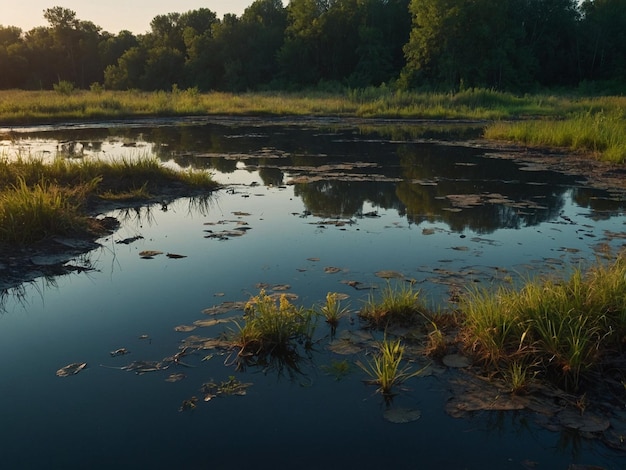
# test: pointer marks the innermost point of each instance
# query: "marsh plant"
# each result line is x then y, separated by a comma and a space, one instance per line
399, 303
273, 326
40, 200
332, 310
385, 367
564, 328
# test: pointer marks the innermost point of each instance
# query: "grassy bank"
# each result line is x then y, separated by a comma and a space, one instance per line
39, 200
22, 107
588, 124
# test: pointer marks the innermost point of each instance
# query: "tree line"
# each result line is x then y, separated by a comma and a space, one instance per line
515, 45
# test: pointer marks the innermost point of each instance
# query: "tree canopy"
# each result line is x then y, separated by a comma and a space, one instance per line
515, 45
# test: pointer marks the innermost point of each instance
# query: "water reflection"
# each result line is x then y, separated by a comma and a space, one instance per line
339, 168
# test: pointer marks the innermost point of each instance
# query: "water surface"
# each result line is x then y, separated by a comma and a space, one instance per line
315, 195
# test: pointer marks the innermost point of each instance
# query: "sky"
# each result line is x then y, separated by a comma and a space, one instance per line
112, 15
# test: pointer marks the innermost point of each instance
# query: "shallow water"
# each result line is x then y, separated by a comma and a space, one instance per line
444, 215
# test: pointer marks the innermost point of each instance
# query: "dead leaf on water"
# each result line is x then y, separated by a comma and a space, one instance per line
389, 274
119, 352
585, 422
71, 369
331, 270
149, 254
456, 361
175, 377
214, 321
232, 386
402, 415
184, 328
224, 307
313, 259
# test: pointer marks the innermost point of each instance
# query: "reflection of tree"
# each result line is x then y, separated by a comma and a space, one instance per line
414, 178
431, 173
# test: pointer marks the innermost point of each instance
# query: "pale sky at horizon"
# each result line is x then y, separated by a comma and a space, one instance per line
112, 15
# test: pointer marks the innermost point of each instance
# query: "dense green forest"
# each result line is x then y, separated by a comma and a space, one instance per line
514, 45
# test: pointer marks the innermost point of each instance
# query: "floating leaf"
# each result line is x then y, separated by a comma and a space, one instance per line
175, 377
456, 361
585, 422
142, 367
224, 307
149, 254
71, 369
389, 274
313, 259
213, 321
230, 387
188, 404
402, 415
184, 328
331, 270
119, 352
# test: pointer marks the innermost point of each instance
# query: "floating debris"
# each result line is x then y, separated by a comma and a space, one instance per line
184, 328
149, 254
141, 367
71, 369
389, 274
225, 307
456, 361
144, 337
129, 240
313, 259
175, 256
175, 377
188, 404
331, 270
214, 321
402, 415
230, 387
119, 352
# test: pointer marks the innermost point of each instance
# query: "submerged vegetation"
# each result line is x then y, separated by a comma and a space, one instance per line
41, 200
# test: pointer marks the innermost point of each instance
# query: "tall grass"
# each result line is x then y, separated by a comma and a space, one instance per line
602, 133
561, 329
18, 106
40, 200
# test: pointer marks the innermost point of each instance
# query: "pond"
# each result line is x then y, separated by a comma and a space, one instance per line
308, 207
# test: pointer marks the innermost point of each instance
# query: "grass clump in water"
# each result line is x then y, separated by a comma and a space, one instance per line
400, 304
273, 327
385, 367
332, 310
561, 331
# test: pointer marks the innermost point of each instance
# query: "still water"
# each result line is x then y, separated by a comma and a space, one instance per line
310, 195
